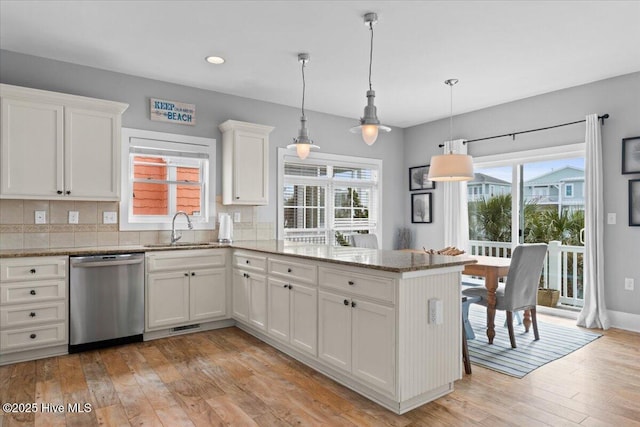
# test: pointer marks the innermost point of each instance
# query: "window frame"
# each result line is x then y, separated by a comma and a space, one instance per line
285, 155
197, 146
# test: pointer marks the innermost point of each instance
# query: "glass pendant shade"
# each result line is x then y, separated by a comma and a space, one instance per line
369, 133
451, 167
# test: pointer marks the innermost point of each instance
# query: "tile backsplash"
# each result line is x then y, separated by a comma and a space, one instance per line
18, 229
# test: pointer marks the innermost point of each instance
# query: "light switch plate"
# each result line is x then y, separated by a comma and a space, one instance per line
41, 217
628, 283
611, 218
74, 216
110, 217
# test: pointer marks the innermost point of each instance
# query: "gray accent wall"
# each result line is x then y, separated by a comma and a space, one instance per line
619, 96
330, 132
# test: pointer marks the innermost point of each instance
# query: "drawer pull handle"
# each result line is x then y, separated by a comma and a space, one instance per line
32, 271
353, 303
59, 191
68, 192
32, 291
32, 336
285, 286
346, 302
32, 314
351, 282
289, 270
186, 274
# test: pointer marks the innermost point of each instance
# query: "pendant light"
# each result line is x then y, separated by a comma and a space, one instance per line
303, 144
369, 123
451, 167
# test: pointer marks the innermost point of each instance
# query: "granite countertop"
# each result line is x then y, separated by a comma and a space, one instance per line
386, 260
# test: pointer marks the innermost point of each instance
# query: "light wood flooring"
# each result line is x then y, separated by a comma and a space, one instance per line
227, 377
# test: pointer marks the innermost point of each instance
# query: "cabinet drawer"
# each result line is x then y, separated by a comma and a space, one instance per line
28, 314
365, 285
28, 292
293, 270
186, 260
33, 268
246, 260
37, 336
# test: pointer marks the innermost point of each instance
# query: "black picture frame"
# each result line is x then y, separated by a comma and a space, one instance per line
421, 208
634, 202
418, 179
631, 155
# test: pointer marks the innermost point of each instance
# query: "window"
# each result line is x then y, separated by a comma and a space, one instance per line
568, 190
164, 174
326, 198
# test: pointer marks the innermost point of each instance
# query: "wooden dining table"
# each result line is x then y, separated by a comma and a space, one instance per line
491, 268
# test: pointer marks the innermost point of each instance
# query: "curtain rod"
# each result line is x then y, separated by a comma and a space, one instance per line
513, 134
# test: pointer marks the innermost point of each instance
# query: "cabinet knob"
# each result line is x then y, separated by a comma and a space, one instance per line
290, 287
59, 191
246, 275
186, 274
32, 314
32, 291
289, 270
193, 274
32, 271
32, 336
285, 286
237, 197
353, 303
68, 191
247, 261
351, 282
346, 302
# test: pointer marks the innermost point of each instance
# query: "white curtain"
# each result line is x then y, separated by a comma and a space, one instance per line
594, 312
456, 212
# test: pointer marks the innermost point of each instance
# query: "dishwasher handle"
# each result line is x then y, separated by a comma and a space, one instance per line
106, 260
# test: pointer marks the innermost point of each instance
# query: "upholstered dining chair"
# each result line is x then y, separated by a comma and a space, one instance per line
520, 291
365, 241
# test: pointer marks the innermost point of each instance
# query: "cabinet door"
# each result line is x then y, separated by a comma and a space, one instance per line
373, 338
250, 172
240, 296
279, 309
257, 301
92, 154
334, 330
32, 149
304, 323
207, 293
167, 299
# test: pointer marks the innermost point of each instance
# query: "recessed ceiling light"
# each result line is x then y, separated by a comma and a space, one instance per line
217, 60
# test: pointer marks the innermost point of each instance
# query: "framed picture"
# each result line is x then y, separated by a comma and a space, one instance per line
631, 155
418, 179
634, 202
421, 208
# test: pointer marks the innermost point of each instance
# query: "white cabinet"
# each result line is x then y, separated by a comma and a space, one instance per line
182, 289
33, 308
250, 298
59, 146
292, 314
245, 163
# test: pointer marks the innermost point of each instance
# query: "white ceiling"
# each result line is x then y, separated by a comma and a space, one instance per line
500, 50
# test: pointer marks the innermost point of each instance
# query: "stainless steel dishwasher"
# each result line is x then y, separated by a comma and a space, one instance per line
106, 300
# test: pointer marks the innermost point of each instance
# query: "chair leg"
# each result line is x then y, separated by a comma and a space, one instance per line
465, 354
534, 321
512, 336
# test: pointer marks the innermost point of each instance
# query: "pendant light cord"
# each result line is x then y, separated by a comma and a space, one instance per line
370, 53
451, 118
304, 85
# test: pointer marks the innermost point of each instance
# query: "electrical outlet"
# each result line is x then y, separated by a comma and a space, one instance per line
74, 216
628, 284
611, 218
41, 217
109, 217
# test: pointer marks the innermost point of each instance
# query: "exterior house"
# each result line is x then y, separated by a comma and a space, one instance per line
563, 188
485, 186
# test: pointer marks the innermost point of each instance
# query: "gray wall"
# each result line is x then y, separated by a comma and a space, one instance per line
620, 97
212, 108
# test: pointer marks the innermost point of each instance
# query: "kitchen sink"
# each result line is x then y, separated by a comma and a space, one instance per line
178, 244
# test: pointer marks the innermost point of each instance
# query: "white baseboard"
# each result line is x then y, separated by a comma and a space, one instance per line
626, 321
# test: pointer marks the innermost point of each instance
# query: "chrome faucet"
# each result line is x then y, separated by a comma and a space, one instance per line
174, 235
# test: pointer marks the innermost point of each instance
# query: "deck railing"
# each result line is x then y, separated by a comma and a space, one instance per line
563, 268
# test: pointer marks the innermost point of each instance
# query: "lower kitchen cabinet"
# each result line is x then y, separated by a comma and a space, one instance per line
358, 337
292, 314
250, 298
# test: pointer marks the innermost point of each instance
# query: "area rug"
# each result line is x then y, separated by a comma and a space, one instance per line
556, 341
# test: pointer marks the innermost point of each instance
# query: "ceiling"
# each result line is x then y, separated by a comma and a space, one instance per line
499, 50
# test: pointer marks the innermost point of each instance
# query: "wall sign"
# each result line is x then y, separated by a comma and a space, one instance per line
173, 112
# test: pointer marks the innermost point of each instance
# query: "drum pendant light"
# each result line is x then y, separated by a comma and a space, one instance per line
303, 144
369, 123
451, 167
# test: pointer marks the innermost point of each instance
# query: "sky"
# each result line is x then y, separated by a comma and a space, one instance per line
534, 169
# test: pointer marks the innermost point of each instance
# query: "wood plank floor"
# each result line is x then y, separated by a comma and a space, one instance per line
226, 377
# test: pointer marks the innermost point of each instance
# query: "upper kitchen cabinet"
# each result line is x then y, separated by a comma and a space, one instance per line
59, 146
245, 163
